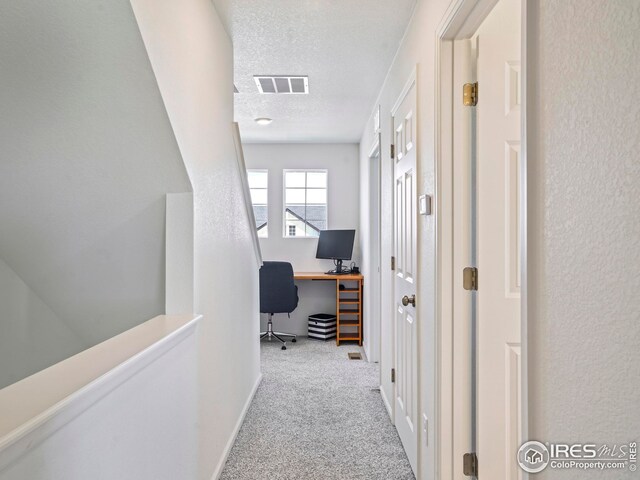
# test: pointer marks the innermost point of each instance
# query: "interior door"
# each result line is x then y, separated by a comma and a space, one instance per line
405, 243
373, 325
498, 243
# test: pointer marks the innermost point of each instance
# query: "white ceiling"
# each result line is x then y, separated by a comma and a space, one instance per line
344, 46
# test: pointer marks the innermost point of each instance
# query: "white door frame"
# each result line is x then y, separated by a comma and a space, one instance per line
375, 275
460, 21
412, 82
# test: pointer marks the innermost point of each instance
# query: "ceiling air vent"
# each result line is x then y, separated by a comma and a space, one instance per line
282, 84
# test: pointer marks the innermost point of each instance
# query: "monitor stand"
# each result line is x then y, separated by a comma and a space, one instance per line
339, 270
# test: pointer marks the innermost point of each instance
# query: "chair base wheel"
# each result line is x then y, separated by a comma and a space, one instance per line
293, 340
283, 347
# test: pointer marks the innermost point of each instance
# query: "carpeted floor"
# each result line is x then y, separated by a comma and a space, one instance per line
317, 416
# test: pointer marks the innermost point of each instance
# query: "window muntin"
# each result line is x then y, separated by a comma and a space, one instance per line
305, 203
259, 187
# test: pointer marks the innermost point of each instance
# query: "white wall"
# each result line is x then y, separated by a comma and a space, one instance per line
341, 161
179, 254
416, 51
33, 337
583, 220
192, 58
584, 228
124, 409
87, 156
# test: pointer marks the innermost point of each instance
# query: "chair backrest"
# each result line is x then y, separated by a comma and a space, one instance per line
278, 292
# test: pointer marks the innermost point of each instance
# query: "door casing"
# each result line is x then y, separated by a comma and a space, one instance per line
453, 342
373, 340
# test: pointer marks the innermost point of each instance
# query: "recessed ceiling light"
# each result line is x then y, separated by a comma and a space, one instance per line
263, 121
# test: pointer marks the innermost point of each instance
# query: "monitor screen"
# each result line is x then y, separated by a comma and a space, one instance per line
335, 244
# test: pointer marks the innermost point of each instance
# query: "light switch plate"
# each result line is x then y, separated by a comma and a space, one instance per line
424, 204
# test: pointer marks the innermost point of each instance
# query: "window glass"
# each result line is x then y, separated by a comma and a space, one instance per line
305, 202
259, 187
295, 179
317, 179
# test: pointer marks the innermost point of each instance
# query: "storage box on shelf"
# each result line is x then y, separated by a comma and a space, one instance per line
348, 302
322, 326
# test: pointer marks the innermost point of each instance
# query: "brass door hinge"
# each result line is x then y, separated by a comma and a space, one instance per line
470, 278
393, 151
393, 375
393, 264
470, 464
470, 94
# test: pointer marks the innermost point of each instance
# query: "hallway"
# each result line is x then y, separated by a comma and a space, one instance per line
317, 415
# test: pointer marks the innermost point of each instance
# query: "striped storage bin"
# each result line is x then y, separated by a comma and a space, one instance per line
322, 326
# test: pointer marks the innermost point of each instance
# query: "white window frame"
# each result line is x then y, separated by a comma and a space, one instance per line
284, 198
266, 171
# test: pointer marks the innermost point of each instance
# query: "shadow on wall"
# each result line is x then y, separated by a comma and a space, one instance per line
72, 305
88, 155
126, 263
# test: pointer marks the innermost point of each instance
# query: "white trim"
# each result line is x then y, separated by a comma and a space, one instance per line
524, 284
266, 171
285, 234
387, 405
375, 148
236, 429
374, 350
242, 170
405, 90
461, 20
89, 376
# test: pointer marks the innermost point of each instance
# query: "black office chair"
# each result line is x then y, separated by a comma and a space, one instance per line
278, 294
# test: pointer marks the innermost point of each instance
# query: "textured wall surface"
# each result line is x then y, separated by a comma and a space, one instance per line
192, 58
584, 232
86, 157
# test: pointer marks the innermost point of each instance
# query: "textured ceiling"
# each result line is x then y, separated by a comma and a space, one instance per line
344, 46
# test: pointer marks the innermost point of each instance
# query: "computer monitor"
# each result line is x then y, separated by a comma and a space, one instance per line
336, 245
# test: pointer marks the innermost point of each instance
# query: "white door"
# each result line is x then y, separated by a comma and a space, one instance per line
405, 288
498, 243
372, 339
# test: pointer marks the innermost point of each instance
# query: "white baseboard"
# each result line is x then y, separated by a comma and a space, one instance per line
387, 405
227, 449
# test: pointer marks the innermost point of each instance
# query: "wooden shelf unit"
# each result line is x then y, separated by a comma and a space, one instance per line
348, 303
349, 310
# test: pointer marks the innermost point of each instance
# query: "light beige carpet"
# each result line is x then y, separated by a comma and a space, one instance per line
317, 415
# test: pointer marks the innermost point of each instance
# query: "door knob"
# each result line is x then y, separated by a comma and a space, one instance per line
409, 300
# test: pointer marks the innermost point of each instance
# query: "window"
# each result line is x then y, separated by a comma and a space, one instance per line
305, 202
258, 184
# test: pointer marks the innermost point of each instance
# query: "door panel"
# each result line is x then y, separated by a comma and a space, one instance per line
498, 242
406, 394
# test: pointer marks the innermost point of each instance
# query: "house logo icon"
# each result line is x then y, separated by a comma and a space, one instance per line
533, 457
